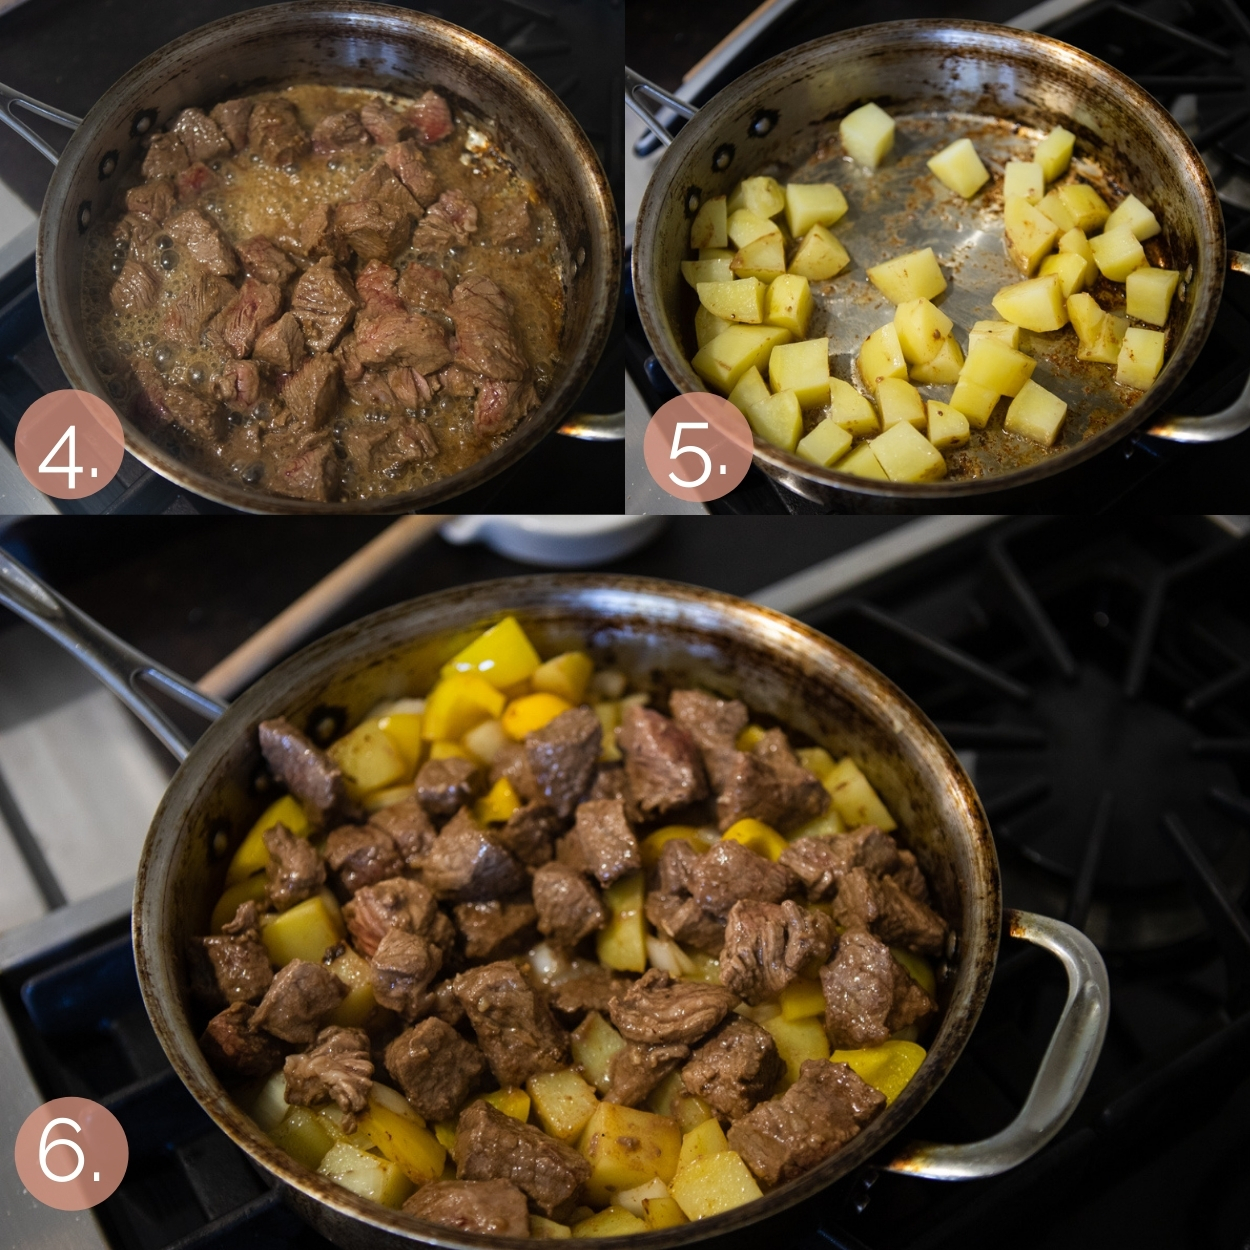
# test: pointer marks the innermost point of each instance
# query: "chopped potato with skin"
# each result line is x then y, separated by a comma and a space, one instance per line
900, 401
975, 402
662, 1212
1054, 153
867, 135
1030, 234
1085, 315
305, 931
863, 463
1141, 357
851, 410
734, 301
922, 328
750, 392
797, 1041
707, 1138
915, 275
715, 1183
1148, 294
1117, 252
948, 427
1053, 207
1068, 267
826, 444
1024, 179
778, 420
1075, 242
802, 368
907, 456
707, 326
698, 271
622, 942
888, 1067
1085, 206
626, 1147
745, 227
943, 369
708, 227
563, 1102
788, 303
1004, 331
1036, 414
1105, 349
402, 1137
881, 357
1134, 215
855, 799
960, 168
820, 256
760, 195
997, 368
1036, 304
366, 1175
728, 356
764, 259
812, 204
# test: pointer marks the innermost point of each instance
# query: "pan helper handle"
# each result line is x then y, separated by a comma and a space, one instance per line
1061, 1080
9, 98
641, 94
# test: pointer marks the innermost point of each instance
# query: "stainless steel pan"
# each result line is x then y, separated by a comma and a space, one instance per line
354, 44
646, 628
941, 80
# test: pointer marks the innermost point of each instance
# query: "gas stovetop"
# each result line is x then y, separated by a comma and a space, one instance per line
1096, 686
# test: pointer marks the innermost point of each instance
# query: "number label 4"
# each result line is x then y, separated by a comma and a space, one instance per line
71, 470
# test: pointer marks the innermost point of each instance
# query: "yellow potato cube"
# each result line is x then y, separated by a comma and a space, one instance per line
1141, 357
542, 1228
745, 227
855, 799
1052, 207
881, 357
1132, 213
563, 1102
708, 227
734, 301
764, 259
633, 1199
948, 427
707, 1138
862, 463
404, 1140
756, 836
714, 1183
1117, 253
1068, 267
821, 827
356, 973
960, 168
888, 1067
975, 402
922, 328
997, 368
612, 1222
368, 759
819, 256
458, 703
1029, 233
1106, 348
1075, 242
778, 420
801, 1000
252, 857
918, 968
483, 742
566, 675
366, 1175
1036, 414
1085, 206
530, 712
900, 401
662, 1212
1148, 294
915, 275
1024, 180
592, 1044
761, 195
707, 326
269, 1105
826, 444
1085, 315
1054, 152
811, 204
622, 942
511, 1101
943, 369
626, 1147
716, 270
716, 253
867, 134
907, 456
728, 356
798, 1040
802, 368
448, 751
250, 890
404, 731
789, 303
1036, 304
750, 392
1003, 331
305, 931
671, 1098
851, 410
494, 807
304, 1136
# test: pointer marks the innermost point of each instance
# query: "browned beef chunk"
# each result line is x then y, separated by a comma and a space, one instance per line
658, 1009
140, 232
200, 135
281, 344
909, 878
194, 181
319, 237
818, 1114
372, 229
569, 907
204, 297
445, 786
265, 262
424, 289
338, 131
411, 389
231, 116
233, 1048
312, 393
606, 842
512, 762
528, 833
466, 866
205, 242
591, 991
136, 288
306, 771
494, 1208
514, 1026
174, 405
375, 285
256, 306
362, 855
609, 783
636, 1069
562, 757
295, 871
729, 872
671, 874
821, 862
325, 301
398, 903
714, 724
296, 1005
309, 471
494, 1146
569, 852
409, 442
458, 382
511, 224
238, 385
403, 967
232, 968
447, 223
682, 919
767, 944
486, 342
770, 784
435, 1067
336, 1067
661, 762
152, 199
401, 338
408, 164
409, 828
430, 119
879, 905
735, 1068
500, 405
379, 182
274, 131
382, 122
495, 929
166, 156
868, 993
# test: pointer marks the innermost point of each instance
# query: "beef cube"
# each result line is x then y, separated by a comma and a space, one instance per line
273, 130
202, 239
174, 405
458, 382
466, 866
909, 878
821, 862
494, 1208
325, 301
771, 785
818, 1114
200, 135
496, 929
397, 903
511, 761
383, 123
409, 442
735, 1068
486, 341
868, 993
337, 132
435, 1067
445, 786
408, 164
136, 288
768, 944
256, 306
514, 1026
295, 871
494, 1146
447, 223
609, 783
401, 338
661, 762
338, 1068
404, 964
232, 968
430, 119
729, 872
166, 156
606, 842
194, 181
424, 289
319, 236
592, 990
636, 1069
683, 920
656, 1009
233, 1048
671, 874
238, 386
231, 117
306, 771
310, 472
569, 907
362, 855
500, 405
296, 1005
714, 724
375, 285
562, 758
410, 388
139, 231
409, 828
898, 919
152, 199
373, 230
379, 182
265, 261
312, 394
511, 224
281, 344
204, 297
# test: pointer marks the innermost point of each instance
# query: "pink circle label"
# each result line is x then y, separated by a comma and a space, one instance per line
69, 444
71, 1153
698, 447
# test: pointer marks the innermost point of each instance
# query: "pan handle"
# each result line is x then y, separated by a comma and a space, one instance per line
638, 90
1061, 1080
9, 97
1233, 420
117, 664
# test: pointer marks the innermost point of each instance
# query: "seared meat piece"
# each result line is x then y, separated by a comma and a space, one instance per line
200, 135
635, 1070
879, 905
514, 1027
406, 160
735, 1068
310, 472
512, 762
424, 289
409, 827
139, 231
375, 285
605, 841
821, 862
256, 306
295, 871
312, 393
466, 866
382, 122
593, 991
362, 855
281, 344
403, 967
233, 1048
500, 405
152, 199
714, 724
661, 762
494, 1146
447, 223
569, 907
231, 116
658, 1009
191, 311
609, 783
771, 785
818, 1114
373, 230
729, 872
206, 244
511, 224
909, 878
296, 1005
445, 786
136, 288
274, 131
868, 993
682, 919
409, 442
174, 405
166, 156
264, 261
495, 1208
319, 236
486, 342
435, 1067
767, 944
379, 182
337, 131
337, 1067
430, 118
400, 338
411, 389
399, 903
672, 870
232, 968
306, 771
238, 386
495, 929
194, 180
562, 757
325, 301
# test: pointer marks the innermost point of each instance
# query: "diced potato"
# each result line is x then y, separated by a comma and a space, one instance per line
948, 427
881, 357
1036, 304
745, 227
862, 463
1051, 206
654, 843
1136, 216
960, 168
728, 356
671, 1098
304, 1136
802, 368
542, 1228
1141, 357
622, 942
593, 1043
888, 1067
750, 392
820, 255
867, 134
907, 456
1117, 253
626, 1147
943, 369
404, 1140
366, 1175
1029, 233
612, 1222
915, 275
697, 271
305, 931
1148, 294
975, 402
1085, 206
1075, 243
563, 1102
1036, 414
511, 1101
368, 759
566, 675
788, 303
380, 799
763, 258
736, 301
483, 742
997, 368
707, 326
797, 1041
457, 704
812, 204
761, 195
1106, 348
778, 419
1054, 152
252, 889
855, 799
714, 1183
531, 712
826, 444
1068, 267
922, 328
822, 826
900, 401
1085, 315
1024, 180
707, 1138
708, 227
801, 1000
749, 736
448, 751
1004, 331
445, 1132
662, 1212
269, 1105
356, 973
918, 968
251, 857
404, 731
756, 836
716, 253
851, 410
503, 655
